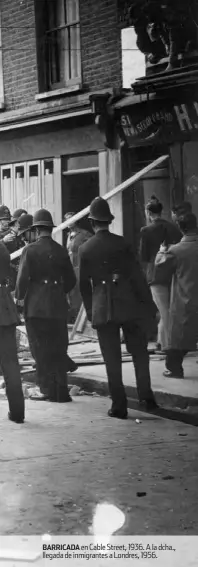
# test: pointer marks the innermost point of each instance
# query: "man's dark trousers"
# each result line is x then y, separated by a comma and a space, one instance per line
11, 372
174, 360
136, 344
48, 339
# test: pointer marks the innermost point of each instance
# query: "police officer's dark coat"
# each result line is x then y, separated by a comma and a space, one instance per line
112, 283
8, 312
45, 276
151, 237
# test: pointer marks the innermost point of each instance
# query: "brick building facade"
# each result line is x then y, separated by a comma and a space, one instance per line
53, 55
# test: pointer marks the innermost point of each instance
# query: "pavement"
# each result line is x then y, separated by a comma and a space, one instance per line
176, 393
68, 458
91, 374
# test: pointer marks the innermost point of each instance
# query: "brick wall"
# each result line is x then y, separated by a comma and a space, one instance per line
19, 52
100, 44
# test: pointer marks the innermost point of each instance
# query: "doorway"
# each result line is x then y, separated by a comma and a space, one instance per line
80, 184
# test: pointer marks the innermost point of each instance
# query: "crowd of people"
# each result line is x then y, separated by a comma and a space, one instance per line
98, 268
169, 253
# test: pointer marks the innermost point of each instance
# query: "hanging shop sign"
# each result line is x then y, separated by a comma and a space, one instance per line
161, 122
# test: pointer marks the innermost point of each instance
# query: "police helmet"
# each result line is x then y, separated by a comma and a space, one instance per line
17, 214
25, 223
100, 211
42, 218
4, 213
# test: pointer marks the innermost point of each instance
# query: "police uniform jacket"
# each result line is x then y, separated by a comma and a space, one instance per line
44, 278
151, 237
8, 312
112, 283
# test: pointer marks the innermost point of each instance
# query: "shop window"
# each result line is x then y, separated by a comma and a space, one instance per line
48, 167
19, 186
7, 195
33, 170
33, 185
80, 162
19, 172
58, 31
6, 173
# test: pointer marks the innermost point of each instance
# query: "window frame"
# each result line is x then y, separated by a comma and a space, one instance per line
67, 81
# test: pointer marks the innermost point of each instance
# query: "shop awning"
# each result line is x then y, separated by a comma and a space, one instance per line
144, 121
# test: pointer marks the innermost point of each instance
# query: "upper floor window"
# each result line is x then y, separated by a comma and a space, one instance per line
60, 58
133, 60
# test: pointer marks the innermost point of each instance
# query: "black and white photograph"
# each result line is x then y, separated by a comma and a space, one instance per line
98, 282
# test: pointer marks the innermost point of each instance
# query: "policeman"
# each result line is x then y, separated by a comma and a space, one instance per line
26, 234
45, 276
8, 348
15, 217
116, 295
9, 237
5, 218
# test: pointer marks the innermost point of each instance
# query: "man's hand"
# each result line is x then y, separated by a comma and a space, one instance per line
9, 238
163, 248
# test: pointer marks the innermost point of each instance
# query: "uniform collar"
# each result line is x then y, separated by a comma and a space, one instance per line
190, 238
44, 236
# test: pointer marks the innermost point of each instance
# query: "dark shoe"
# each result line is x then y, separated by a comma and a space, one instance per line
112, 413
68, 399
15, 419
71, 365
171, 374
149, 405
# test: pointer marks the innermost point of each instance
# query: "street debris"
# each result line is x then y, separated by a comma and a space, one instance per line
138, 421
75, 391
140, 494
21, 337
168, 477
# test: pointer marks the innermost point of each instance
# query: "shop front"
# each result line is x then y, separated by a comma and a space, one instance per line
57, 166
150, 127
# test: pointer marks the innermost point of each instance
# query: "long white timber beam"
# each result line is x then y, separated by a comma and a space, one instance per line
107, 196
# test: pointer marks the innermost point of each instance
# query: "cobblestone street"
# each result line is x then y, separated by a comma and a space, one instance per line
66, 459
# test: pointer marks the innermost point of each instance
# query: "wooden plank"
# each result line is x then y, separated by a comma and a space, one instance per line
130, 181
